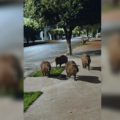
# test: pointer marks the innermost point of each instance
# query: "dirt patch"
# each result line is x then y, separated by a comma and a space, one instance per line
92, 45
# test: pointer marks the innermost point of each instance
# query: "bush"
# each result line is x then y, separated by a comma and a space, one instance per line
39, 38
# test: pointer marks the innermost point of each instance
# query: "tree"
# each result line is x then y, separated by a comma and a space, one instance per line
55, 32
78, 28
65, 13
94, 28
31, 29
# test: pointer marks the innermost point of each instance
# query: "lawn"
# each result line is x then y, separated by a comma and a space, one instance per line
54, 72
30, 97
83, 44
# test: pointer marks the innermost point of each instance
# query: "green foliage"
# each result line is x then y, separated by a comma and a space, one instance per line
78, 28
65, 13
57, 31
31, 29
39, 38
75, 32
95, 27
54, 72
30, 97
31, 23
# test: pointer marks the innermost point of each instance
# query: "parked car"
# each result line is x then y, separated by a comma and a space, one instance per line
98, 35
63, 37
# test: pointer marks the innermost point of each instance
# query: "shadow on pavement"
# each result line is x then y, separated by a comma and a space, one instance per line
60, 77
96, 68
90, 79
35, 43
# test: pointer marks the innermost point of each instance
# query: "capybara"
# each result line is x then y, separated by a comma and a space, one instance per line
113, 47
86, 61
10, 72
45, 67
61, 60
71, 69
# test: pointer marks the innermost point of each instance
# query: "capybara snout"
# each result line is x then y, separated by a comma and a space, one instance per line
45, 68
61, 60
86, 60
71, 69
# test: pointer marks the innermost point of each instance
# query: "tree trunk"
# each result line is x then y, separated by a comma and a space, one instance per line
83, 40
68, 38
69, 50
79, 32
27, 40
87, 35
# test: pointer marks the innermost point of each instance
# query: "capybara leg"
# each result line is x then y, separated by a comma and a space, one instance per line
45, 74
83, 65
42, 73
49, 74
69, 75
88, 67
74, 77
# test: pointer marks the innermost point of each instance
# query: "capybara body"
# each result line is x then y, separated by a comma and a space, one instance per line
86, 60
71, 69
10, 72
61, 60
45, 68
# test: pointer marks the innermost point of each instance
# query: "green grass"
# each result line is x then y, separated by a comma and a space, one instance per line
30, 97
54, 72
83, 44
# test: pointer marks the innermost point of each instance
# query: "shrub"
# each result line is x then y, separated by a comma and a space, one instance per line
39, 38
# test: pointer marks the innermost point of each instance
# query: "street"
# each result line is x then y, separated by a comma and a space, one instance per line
34, 55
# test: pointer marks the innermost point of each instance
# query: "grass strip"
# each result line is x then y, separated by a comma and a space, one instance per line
29, 98
54, 72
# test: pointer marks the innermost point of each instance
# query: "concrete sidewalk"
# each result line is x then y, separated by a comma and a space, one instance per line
66, 99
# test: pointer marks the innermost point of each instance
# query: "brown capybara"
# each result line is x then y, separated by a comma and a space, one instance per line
45, 67
61, 60
86, 61
71, 69
10, 72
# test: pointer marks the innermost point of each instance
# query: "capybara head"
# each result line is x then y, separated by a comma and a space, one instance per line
75, 67
71, 67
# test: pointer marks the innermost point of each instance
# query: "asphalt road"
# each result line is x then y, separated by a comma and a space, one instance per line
34, 55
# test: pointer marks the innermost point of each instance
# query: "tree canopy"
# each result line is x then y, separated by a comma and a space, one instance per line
65, 13
31, 29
